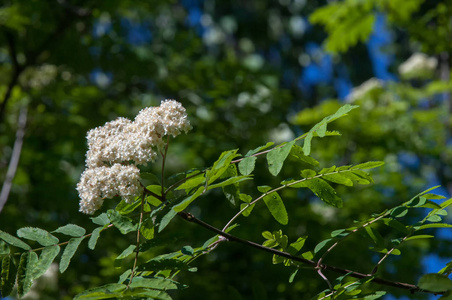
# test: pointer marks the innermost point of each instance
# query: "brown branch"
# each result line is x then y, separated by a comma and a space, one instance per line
400, 285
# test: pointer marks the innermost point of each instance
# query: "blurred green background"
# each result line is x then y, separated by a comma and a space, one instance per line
247, 72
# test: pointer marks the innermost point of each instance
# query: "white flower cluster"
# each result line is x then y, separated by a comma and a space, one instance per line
123, 141
368, 87
99, 183
419, 65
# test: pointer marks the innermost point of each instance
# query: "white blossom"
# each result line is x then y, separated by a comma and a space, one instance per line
97, 184
369, 86
114, 146
419, 65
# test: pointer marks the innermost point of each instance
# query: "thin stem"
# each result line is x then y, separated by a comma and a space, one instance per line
163, 164
401, 285
268, 150
353, 231
275, 190
137, 249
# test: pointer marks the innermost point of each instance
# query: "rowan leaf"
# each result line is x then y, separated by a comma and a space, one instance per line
37, 234
276, 207
69, 252
71, 230
13, 241
277, 156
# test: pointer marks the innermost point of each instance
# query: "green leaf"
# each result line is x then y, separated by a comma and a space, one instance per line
8, 276
246, 166
37, 234
324, 191
434, 282
231, 190
187, 250
164, 221
94, 237
395, 224
71, 230
101, 219
264, 188
124, 276
267, 235
338, 178
292, 276
355, 178
434, 196
163, 262
129, 250
24, 272
416, 237
320, 128
221, 165
297, 153
125, 208
434, 219
308, 173
186, 202
376, 295
69, 252
124, 224
276, 207
108, 291
192, 182
4, 248
368, 165
157, 283
229, 181
247, 211
150, 178
384, 250
297, 245
321, 245
434, 225
12, 240
48, 255
399, 212
277, 156
374, 235
147, 229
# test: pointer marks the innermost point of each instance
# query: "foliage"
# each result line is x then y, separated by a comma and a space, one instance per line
239, 69
154, 277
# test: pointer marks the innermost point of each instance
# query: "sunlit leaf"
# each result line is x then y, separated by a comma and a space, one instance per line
276, 207
277, 156
71, 230
94, 237
12, 240
37, 234
69, 252
47, 256
435, 282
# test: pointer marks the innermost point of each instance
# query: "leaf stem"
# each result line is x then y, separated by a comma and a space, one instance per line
137, 249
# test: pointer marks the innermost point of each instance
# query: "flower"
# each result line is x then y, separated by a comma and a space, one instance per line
99, 183
419, 65
114, 146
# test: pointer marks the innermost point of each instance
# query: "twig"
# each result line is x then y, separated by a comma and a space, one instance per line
14, 162
353, 231
401, 285
137, 249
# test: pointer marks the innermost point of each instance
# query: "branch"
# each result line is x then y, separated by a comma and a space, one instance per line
401, 285
14, 162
